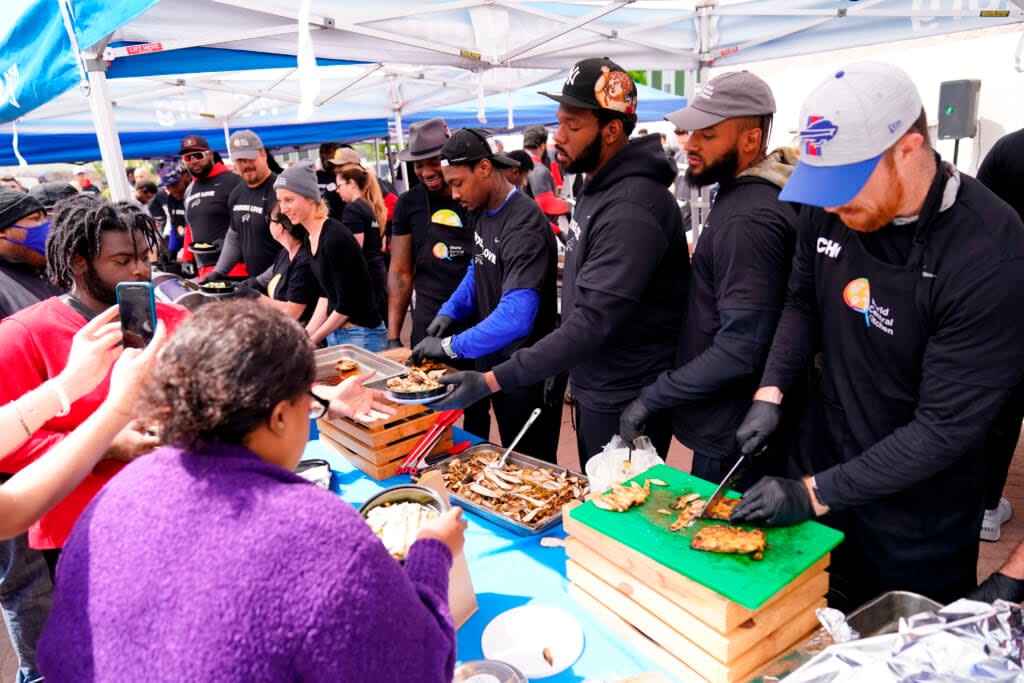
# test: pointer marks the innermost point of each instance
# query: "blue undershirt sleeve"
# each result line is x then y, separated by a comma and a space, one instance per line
462, 303
511, 319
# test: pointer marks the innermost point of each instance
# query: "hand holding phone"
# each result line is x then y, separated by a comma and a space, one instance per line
137, 307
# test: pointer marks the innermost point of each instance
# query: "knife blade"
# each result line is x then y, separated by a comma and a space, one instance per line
726, 484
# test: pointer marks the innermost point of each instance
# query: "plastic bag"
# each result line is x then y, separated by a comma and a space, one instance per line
614, 463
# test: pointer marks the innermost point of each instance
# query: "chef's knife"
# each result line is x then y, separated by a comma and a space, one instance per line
726, 484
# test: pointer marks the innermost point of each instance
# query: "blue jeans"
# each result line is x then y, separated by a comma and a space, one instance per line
26, 594
370, 338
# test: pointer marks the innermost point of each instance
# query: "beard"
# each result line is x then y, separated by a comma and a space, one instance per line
874, 218
588, 159
722, 169
97, 288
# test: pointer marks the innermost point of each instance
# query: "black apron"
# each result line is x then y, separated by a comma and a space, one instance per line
445, 250
875, 321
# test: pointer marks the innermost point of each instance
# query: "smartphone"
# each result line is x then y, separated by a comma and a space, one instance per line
138, 313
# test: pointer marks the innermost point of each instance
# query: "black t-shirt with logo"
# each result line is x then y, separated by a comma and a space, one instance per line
327, 183
249, 209
359, 219
515, 249
341, 271
293, 280
442, 236
206, 206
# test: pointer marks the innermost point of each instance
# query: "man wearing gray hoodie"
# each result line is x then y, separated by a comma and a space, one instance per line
738, 277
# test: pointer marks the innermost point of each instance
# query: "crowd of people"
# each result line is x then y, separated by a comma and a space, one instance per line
846, 322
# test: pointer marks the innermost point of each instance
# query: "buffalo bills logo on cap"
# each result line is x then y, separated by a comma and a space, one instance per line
819, 130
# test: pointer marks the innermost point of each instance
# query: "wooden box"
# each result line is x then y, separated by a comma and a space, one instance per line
689, 629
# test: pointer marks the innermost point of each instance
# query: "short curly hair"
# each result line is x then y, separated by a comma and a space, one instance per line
223, 371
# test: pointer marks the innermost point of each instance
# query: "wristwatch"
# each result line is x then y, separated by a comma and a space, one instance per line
446, 346
817, 493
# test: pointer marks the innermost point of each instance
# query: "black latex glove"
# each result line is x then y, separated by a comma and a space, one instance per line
244, 291
633, 420
188, 269
998, 587
394, 344
470, 387
776, 502
758, 426
440, 325
429, 347
254, 283
214, 276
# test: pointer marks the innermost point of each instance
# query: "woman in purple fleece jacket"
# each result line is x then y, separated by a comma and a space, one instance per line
209, 560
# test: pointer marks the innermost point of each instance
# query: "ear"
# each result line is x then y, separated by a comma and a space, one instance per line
78, 264
485, 167
277, 421
907, 146
613, 131
750, 140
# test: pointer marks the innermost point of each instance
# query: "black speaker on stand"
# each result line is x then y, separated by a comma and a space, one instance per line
958, 111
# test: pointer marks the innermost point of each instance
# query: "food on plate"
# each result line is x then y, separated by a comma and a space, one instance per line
201, 245
330, 380
217, 285
427, 365
548, 657
722, 509
519, 492
728, 539
397, 525
415, 381
346, 366
621, 497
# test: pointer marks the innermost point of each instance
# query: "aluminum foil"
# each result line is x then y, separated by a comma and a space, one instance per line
965, 641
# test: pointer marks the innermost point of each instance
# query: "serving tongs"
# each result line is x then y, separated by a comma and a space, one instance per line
500, 462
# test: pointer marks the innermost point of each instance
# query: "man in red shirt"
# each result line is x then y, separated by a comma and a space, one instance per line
93, 246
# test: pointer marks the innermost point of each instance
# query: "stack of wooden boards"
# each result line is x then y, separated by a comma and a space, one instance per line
378, 448
704, 616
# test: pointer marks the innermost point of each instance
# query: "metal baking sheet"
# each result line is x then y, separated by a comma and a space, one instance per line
497, 518
327, 358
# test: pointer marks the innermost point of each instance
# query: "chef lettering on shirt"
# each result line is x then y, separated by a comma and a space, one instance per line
905, 277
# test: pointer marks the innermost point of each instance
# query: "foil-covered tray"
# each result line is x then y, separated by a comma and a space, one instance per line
513, 525
327, 358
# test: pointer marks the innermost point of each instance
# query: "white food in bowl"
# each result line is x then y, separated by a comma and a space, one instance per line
397, 525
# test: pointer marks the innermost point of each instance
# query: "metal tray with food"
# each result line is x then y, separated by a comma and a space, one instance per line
527, 493
337, 363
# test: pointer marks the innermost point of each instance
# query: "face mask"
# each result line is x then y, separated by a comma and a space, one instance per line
35, 237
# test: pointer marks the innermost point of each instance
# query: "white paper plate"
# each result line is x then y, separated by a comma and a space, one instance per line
417, 401
520, 635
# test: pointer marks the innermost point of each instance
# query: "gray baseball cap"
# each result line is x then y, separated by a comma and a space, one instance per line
728, 96
245, 144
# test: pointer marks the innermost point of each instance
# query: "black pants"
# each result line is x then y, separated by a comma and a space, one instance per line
595, 428
512, 409
1000, 443
713, 468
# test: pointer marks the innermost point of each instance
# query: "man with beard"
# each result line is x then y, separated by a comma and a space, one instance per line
510, 285
248, 239
907, 278
626, 267
206, 204
738, 277
91, 247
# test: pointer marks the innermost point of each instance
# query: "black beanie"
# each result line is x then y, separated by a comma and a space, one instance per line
15, 205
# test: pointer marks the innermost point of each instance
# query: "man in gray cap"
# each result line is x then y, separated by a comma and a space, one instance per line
535, 142
738, 276
248, 237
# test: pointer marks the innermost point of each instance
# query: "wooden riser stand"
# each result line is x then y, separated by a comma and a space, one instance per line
688, 628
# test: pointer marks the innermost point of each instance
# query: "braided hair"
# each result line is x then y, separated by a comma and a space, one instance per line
76, 230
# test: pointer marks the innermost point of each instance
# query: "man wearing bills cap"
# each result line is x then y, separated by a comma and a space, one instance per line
906, 277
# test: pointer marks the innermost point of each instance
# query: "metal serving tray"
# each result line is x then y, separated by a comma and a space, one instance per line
497, 518
327, 358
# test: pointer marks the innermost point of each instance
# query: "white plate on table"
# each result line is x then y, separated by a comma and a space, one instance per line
520, 635
417, 401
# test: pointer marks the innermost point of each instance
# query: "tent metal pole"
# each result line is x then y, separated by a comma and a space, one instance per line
227, 139
396, 103
106, 131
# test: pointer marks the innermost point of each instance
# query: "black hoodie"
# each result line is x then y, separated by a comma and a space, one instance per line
624, 287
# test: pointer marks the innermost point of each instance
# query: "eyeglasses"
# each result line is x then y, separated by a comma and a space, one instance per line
318, 407
193, 156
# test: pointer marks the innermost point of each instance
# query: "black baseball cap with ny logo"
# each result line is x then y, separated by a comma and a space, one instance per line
598, 83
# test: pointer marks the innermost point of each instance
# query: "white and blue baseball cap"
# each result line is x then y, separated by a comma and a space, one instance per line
845, 126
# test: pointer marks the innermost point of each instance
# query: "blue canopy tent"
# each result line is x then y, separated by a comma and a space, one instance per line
526, 107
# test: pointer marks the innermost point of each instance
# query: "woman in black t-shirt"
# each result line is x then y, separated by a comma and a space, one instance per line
293, 288
346, 312
365, 215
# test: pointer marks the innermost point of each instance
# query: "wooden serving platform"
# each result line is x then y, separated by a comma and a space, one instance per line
689, 629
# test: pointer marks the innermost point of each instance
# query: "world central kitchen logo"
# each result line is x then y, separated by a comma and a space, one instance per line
857, 296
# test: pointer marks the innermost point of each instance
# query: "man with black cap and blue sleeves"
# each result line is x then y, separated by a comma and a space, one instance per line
907, 276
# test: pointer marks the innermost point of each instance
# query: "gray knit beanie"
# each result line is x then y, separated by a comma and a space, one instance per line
15, 205
300, 179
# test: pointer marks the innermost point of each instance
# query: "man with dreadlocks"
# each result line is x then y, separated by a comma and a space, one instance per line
92, 246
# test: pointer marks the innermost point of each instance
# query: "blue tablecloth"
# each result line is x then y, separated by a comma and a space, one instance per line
508, 571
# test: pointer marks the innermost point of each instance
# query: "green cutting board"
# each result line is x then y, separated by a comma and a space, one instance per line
750, 583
